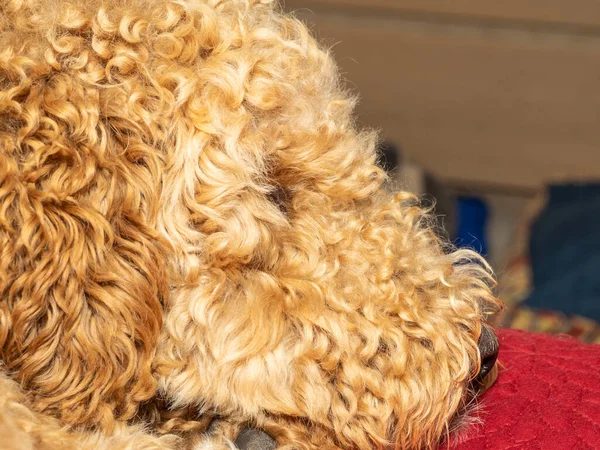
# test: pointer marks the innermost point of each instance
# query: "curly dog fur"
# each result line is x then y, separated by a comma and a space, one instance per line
189, 216
23, 429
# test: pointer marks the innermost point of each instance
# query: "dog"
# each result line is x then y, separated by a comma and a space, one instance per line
192, 227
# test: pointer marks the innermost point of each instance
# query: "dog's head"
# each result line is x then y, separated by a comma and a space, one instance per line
199, 160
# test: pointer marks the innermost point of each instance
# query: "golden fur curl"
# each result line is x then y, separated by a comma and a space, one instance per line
21, 428
81, 270
197, 162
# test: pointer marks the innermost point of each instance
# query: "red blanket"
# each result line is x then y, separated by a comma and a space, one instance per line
547, 397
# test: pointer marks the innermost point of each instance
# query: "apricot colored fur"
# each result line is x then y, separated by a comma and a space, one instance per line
187, 210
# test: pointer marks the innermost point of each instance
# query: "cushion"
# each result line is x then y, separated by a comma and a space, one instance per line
565, 251
547, 396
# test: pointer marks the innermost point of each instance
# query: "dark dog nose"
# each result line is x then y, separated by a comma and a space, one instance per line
488, 348
253, 439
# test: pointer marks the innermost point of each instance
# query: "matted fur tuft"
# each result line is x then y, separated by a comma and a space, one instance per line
196, 163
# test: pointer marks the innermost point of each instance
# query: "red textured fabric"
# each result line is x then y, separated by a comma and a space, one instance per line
547, 396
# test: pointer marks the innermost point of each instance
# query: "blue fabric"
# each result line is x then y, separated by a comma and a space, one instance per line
472, 218
565, 252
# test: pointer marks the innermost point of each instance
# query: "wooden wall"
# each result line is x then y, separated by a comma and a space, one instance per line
481, 92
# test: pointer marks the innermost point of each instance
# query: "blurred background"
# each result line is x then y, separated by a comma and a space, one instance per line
492, 109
